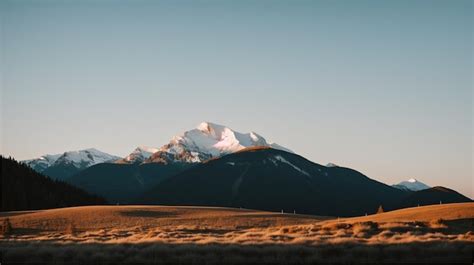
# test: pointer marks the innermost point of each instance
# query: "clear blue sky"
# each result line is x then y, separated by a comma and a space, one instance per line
384, 87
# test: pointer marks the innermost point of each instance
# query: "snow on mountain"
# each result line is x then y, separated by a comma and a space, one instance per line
41, 163
331, 165
139, 155
282, 159
79, 159
411, 184
85, 158
208, 140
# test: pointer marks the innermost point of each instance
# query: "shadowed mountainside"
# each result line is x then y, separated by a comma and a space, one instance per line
274, 180
122, 183
270, 179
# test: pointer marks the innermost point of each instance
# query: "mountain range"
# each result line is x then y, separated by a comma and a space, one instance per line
208, 140
215, 165
62, 166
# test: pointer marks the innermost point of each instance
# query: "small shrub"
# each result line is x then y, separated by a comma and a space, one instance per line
6, 227
380, 209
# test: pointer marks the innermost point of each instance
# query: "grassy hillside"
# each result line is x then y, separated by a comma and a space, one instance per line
206, 235
89, 218
450, 211
170, 224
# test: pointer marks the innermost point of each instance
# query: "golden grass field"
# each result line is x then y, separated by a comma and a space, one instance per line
441, 233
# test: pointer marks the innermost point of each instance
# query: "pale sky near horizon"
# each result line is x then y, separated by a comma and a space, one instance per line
384, 87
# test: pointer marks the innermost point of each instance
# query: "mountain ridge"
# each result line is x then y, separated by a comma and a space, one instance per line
134, 177
208, 140
61, 166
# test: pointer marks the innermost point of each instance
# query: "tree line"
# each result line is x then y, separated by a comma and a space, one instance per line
25, 189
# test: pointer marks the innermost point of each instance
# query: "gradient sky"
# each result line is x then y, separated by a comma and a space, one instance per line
384, 87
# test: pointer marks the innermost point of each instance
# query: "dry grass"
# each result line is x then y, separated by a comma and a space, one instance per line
201, 232
347, 253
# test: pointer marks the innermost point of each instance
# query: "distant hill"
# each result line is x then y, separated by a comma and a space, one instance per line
445, 211
435, 195
270, 179
25, 189
411, 184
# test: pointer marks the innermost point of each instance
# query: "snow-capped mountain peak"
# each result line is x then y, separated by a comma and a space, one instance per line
411, 184
85, 158
79, 159
41, 163
208, 140
140, 154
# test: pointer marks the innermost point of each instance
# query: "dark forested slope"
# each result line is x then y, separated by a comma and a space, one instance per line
25, 189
